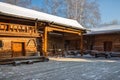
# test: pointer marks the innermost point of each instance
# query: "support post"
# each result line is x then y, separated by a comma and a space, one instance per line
44, 42
81, 44
63, 46
36, 25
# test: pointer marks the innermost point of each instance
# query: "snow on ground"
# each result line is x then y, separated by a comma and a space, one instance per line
64, 69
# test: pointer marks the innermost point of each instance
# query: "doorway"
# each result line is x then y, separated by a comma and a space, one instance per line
18, 49
107, 46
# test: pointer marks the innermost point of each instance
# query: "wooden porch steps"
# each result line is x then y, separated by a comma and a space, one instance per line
20, 60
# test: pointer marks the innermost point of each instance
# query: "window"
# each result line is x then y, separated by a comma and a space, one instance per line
1, 43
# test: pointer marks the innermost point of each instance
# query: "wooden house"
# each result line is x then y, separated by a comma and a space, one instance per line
106, 38
23, 32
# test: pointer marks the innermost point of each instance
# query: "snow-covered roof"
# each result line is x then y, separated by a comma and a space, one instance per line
105, 29
6, 8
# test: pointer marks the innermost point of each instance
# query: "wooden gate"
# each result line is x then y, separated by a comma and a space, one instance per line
18, 49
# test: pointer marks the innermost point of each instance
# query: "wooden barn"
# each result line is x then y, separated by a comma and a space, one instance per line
24, 32
106, 38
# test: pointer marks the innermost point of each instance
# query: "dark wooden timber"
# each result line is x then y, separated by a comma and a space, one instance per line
22, 59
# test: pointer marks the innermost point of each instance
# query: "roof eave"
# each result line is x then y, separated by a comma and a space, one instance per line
12, 15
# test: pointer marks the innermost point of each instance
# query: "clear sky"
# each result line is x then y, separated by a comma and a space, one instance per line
109, 9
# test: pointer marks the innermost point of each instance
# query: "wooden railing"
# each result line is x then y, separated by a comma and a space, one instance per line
17, 29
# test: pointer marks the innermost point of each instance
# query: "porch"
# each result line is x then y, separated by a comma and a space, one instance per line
57, 40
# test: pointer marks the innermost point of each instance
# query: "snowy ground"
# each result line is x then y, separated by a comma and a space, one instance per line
64, 69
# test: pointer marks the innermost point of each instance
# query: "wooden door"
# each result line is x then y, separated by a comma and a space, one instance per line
107, 46
18, 49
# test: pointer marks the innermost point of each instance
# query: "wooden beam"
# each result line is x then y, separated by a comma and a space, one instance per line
44, 42
67, 28
8, 29
16, 18
63, 30
81, 45
63, 46
36, 24
18, 34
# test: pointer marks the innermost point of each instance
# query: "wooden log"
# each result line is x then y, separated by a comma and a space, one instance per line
44, 42
81, 45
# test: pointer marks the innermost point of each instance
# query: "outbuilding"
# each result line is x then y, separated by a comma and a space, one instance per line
104, 38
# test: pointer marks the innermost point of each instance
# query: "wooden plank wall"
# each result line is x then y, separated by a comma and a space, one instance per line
114, 38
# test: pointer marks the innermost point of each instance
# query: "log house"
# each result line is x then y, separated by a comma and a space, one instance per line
23, 32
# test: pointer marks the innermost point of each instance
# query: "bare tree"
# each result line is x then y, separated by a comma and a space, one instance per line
37, 8
23, 3
54, 7
10, 1
51, 6
84, 11
113, 22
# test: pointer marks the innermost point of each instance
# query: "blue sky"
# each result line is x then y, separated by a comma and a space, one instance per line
38, 3
109, 9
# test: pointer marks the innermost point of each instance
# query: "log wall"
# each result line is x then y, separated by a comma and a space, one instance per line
17, 39
6, 48
100, 39
97, 42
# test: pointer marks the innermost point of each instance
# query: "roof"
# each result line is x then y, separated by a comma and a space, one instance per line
105, 29
10, 9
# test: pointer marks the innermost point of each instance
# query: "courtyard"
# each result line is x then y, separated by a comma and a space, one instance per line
64, 69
